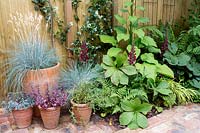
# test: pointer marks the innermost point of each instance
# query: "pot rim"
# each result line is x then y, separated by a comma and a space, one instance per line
49, 109
48, 68
79, 105
22, 109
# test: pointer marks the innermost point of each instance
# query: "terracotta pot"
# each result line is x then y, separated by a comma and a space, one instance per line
50, 117
42, 79
23, 117
82, 113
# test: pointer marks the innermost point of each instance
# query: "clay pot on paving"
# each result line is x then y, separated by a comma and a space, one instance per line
23, 118
42, 79
81, 112
50, 117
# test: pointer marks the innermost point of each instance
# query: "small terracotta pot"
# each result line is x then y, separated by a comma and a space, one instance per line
43, 79
50, 117
23, 117
82, 113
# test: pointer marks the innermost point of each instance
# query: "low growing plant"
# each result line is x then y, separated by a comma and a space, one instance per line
57, 97
17, 101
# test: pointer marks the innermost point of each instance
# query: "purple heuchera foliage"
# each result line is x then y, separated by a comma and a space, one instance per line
83, 57
56, 98
164, 46
132, 56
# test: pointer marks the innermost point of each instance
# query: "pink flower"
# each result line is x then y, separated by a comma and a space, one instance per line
83, 57
132, 56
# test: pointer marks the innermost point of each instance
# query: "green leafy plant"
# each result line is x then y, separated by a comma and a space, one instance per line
17, 101
134, 113
32, 53
118, 62
98, 21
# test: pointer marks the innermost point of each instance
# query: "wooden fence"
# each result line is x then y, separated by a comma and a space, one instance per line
165, 10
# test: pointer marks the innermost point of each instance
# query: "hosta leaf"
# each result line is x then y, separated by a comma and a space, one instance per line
120, 19
122, 36
119, 77
125, 118
165, 70
173, 48
163, 85
109, 72
164, 91
183, 59
142, 120
148, 41
108, 39
112, 52
108, 60
129, 70
139, 32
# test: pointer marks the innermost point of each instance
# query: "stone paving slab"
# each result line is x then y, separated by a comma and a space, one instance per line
180, 119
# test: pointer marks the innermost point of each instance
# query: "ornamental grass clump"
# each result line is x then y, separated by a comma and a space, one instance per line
31, 51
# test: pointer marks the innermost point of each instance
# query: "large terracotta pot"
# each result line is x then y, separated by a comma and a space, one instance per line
50, 117
43, 79
81, 112
23, 117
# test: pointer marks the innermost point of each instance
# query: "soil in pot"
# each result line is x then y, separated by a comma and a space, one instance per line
50, 117
23, 117
82, 113
42, 79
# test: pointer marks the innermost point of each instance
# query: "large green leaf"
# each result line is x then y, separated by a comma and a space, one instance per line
108, 60
144, 108
154, 50
120, 29
109, 72
183, 59
149, 57
127, 105
163, 85
120, 19
142, 120
171, 59
121, 58
122, 36
132, 19
139, 32
143, 20
148, 41
173, 48
147, 70
129, 70
119, 77
164, 91
133, 125
112, 52
128, 3
108, 39
125, 118
165, 70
